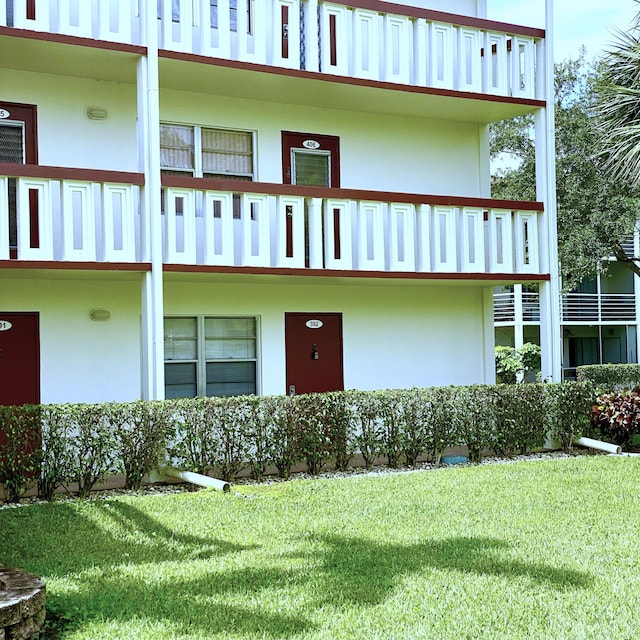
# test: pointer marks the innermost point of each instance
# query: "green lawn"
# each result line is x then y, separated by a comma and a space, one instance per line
545, 549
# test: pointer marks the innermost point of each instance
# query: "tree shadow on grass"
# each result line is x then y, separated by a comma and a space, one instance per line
365, 572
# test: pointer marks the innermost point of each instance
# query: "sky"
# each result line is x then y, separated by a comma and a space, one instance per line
591, 23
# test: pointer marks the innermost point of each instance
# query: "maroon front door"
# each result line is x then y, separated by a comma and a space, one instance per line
310, 159
19, 359
313, 352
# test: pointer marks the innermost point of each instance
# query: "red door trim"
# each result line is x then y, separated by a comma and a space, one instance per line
9, 315
295, 140
27, 113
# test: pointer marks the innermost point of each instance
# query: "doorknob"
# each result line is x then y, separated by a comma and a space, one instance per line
292, 389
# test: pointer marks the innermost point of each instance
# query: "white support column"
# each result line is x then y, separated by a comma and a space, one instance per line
152, 369
518, 317
545, 188
311, 49
314, 226
489, 338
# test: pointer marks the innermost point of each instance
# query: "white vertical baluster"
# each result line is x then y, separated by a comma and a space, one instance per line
366, 43
180, 218
421, 50
78, 222
290, 216
469, 60
500, 242
252, 47
314, 228
441, 56
473, 252
370, 255
215, 41
527, 246
402, 237
523, 81
256, 225
116, 19
118, 219
424, 238
292, 58
496, 64
44, 232
338, 15
218, 228
41, 22
177, 36
397, 49
338, 246
311, 49
74, 18
445, 243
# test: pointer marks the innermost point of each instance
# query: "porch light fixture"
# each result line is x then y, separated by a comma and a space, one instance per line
97, 113
99, 315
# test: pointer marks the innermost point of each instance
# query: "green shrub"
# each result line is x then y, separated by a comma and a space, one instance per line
610, 377
92, 445
313, 430
569, 411
228, 420
476, 416
513, 364
55, 464
19, 448
414, 414
192, 444
441, 408
142, 430
390, 410
340, 419
368, 428
282, 425
258, 437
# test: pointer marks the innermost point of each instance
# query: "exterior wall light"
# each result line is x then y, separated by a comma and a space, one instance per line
97, 113
99, 315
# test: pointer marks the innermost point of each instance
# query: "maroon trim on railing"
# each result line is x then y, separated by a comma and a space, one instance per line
333, 48
337, 273
69, 173
336, 235
60, 38
289, 231
358, 82
237, 186
31, 9
34, 219
442, 16
75, 266
284, 15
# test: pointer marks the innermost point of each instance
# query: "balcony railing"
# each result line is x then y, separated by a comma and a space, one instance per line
73, 215
70, 216
279, 226
504, 307
593, 307
409, 46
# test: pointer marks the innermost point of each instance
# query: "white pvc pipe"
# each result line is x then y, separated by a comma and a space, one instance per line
196, 478
598, 444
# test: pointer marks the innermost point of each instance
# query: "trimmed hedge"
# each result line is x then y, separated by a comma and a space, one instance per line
610, 377
57, 444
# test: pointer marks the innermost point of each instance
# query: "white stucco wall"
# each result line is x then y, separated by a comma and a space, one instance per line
66, 136
82, 360
380, 152
394, 335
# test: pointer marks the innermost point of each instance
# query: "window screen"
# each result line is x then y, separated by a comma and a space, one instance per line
12, 143
311, 169
227, 153
177, 148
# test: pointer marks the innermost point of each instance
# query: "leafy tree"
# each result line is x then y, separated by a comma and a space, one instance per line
513, 364
597, 211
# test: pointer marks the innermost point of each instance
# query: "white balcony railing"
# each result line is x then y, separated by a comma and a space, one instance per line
69, 220
295, 230
312, 35
593, 307
505, 307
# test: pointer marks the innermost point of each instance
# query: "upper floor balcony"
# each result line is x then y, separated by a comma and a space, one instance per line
59, 216
366, 42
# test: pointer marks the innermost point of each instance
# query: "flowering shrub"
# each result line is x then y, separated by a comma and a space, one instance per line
617, 415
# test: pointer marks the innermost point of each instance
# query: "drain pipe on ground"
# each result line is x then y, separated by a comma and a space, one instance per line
599, 445
194, 478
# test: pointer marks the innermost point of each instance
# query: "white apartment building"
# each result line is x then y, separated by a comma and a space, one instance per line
211, 197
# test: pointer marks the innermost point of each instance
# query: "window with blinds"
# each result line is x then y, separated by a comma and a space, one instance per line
312, 169
210, 356
206, 152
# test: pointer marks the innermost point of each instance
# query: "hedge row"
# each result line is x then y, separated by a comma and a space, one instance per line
610, 377
57, 444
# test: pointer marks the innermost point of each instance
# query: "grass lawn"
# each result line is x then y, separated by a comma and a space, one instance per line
545, 549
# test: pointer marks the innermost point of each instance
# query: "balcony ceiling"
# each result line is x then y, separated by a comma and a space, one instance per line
42, 56
263, 85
